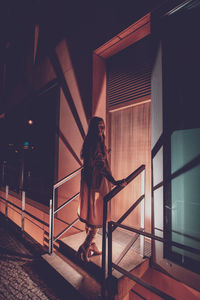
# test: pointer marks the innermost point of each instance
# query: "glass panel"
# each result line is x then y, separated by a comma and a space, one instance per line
185, 150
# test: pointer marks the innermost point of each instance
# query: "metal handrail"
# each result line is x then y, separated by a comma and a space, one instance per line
9, 202
64, 230
19, 209
106, 199
138, 280
138, 294
157, 238
143, 283
53, 211
67, 178
25, 211
128, 179
67, 202
127, 213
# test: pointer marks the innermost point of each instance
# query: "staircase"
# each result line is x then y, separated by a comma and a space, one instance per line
64, 259
126, 251
70, 244
122, 271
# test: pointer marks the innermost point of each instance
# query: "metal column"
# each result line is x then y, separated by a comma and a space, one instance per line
142, 224
51, 221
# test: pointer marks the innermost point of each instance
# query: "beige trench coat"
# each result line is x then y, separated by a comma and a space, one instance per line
94, 186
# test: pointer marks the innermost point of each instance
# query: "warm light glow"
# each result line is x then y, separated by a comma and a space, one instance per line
127, 37
30, 122
2, 116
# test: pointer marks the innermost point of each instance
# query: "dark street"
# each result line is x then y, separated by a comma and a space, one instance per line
23, 273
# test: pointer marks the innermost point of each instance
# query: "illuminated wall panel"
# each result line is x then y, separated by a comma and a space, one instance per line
130, 148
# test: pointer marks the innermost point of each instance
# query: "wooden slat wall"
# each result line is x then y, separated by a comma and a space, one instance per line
130, 147
129, 74
129, 107
129, 85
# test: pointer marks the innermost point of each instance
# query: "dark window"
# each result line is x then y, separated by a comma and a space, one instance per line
182, 137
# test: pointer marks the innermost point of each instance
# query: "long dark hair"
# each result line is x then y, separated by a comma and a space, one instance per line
92, 138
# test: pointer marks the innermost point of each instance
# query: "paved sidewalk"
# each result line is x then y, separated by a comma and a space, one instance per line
23, 273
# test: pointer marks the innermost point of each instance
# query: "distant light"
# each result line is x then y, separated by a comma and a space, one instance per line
2, 116
16, 151
26, 144
30, 122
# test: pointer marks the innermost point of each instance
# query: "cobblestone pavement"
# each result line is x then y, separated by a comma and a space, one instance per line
23, 273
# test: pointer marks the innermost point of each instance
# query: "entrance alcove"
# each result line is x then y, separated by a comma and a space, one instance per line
122, 97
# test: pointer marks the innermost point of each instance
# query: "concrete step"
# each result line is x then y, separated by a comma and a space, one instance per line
79, 279
132, 262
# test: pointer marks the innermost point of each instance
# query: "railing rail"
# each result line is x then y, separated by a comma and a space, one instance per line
107, 198
128, 179
66, 229
53, 211
143, 283
67, 178
127, 213
157, 238
138, 295
19, 210
67, 202
136, 279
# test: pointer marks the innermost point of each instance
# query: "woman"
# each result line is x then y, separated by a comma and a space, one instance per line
96, 179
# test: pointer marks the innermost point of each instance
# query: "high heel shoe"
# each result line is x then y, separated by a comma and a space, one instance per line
93, 250
84, 249
83, 253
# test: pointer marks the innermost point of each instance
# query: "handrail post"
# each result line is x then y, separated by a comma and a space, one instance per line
52, 210
3, 173
51, 221
103, 290
6, 208
21, 187
23, 210
50, 226
142, 224
110, 229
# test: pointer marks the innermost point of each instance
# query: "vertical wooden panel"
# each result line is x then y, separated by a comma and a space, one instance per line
130, 148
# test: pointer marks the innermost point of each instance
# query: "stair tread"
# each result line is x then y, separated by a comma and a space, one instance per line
129, 262
87, 286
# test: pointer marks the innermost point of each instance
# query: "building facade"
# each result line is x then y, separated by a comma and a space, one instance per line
139, 71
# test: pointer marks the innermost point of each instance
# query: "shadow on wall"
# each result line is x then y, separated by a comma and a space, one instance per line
71, 130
